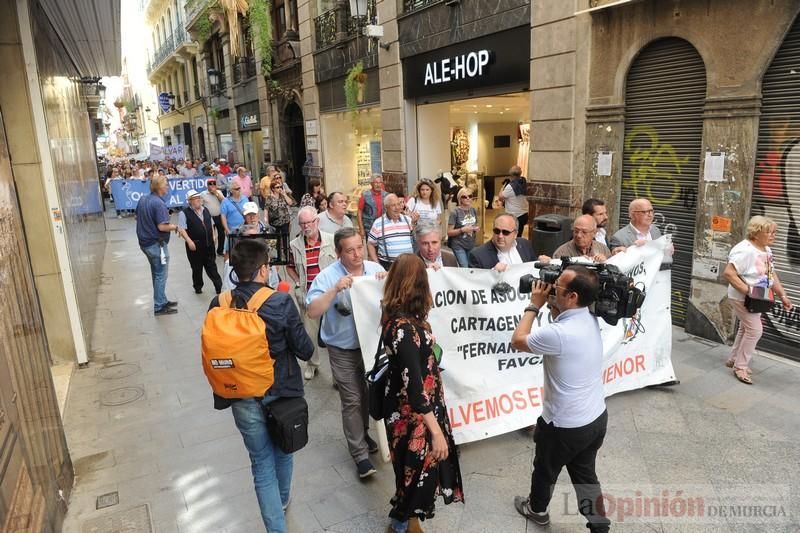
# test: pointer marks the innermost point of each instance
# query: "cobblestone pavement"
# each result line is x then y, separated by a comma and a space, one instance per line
140, 422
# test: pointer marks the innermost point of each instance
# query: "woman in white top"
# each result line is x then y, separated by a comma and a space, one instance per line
424, 202
751, 265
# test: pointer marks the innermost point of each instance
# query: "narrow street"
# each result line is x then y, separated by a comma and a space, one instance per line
140, 422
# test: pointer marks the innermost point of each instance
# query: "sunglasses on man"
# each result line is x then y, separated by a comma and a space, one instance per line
505, 232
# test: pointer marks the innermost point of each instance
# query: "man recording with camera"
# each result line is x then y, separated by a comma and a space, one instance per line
573, 423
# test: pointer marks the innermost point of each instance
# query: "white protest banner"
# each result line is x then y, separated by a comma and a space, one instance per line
490, 388
156, 153
176, 151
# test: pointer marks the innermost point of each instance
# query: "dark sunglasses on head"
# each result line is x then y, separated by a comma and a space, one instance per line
506, 232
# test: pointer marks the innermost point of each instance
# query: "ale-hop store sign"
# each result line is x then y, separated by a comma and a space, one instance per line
490, 60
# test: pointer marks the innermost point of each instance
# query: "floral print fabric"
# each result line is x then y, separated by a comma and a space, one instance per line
414, 388
278, 210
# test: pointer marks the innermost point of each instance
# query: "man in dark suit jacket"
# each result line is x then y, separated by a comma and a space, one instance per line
428, 237
505, 248
640, 230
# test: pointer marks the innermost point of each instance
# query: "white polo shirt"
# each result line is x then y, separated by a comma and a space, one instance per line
573, 364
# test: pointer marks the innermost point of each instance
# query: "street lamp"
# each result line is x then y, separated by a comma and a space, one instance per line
101, 91
213, 79
171, 99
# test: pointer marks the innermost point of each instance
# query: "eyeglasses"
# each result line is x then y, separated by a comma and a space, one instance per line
645, 211
506, 232
307, 223
555, 287
577, 231
466, 197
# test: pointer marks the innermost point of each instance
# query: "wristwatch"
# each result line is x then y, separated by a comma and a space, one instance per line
533, 309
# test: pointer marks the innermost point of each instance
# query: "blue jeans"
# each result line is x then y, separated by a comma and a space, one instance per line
272, 468
462, 256
158, 273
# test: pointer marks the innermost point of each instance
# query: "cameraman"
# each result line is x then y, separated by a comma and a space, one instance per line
573, 423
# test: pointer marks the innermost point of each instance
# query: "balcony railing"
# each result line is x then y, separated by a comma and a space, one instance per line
178, 37
244, 68
413, 5
192, 8
328, 25
325, 27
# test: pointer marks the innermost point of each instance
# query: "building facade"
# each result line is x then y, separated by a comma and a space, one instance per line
673, 86
551, 86
52, 239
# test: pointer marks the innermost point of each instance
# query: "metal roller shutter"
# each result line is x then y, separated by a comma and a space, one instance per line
664, 99
776, 187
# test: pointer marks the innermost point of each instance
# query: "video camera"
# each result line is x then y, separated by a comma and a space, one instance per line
278, 244
616, 298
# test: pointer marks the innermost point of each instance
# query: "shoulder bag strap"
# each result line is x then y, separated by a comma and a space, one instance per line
257, 300
236, 205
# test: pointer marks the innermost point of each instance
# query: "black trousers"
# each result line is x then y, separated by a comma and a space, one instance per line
220, 233
575, 448
204, 258
522, 221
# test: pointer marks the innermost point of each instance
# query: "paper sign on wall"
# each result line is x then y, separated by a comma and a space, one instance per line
705, 268
604, 163
721, 224
714, 166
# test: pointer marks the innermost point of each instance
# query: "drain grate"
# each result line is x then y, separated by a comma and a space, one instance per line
134, 520
121, 396
118, 371
107, 500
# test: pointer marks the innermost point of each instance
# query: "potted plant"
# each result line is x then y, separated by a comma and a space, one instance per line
354, 86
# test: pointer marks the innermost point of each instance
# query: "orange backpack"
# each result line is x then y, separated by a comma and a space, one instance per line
236, 357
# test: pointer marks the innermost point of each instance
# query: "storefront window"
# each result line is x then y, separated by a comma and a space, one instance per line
352, 150
225, 143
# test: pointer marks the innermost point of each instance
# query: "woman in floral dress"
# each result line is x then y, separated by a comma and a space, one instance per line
424, 455
277, 205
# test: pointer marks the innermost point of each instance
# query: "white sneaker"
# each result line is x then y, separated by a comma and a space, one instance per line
309, 372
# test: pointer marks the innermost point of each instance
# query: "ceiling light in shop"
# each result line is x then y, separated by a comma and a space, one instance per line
508, 109
501, 112
488, 106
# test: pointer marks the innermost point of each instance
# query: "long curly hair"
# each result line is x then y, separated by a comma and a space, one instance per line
406, 292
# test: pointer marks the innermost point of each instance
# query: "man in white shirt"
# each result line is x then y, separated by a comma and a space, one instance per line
515, 199
597, 208
573, 423
335, 217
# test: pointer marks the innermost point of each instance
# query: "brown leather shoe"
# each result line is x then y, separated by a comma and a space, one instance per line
414, 525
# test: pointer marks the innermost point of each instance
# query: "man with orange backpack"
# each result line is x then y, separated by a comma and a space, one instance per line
251, 339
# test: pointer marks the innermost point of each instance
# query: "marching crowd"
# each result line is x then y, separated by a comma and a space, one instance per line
398, 239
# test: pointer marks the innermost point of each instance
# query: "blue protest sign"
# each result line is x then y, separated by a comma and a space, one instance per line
163, 101
126, 193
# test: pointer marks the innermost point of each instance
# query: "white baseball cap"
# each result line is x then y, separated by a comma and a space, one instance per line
191, 194
250, 208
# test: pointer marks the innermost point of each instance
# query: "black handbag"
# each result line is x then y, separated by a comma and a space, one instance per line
287, 423
376, 382
759, 300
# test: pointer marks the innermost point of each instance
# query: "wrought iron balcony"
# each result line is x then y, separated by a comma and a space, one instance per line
325, 28
192, 8
413, 5
178, 37
328, 25
219, 88
244, 68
